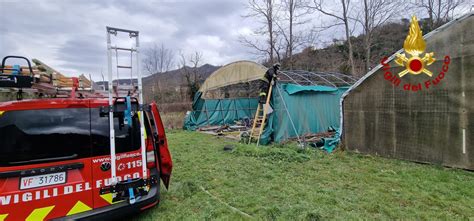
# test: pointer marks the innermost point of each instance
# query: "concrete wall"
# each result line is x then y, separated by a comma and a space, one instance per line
434, 125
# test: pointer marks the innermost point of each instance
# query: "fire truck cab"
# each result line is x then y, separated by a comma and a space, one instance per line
55, 158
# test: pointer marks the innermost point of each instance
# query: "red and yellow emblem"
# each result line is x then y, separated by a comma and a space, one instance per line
415, 46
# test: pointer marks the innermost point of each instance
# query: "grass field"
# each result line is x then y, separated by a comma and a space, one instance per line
286, 183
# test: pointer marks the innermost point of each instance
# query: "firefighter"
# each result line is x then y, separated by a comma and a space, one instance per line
270, 75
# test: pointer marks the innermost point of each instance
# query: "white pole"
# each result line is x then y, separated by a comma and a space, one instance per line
111, 112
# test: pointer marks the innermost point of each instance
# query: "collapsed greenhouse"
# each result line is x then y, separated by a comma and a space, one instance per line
303, 102
421, 118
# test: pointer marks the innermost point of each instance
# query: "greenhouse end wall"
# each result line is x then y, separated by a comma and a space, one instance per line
432, 125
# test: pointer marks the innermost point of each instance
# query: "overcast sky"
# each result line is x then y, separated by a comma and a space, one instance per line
70, 35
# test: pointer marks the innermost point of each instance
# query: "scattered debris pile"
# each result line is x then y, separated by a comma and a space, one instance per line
313, 138
241, 129
229, 131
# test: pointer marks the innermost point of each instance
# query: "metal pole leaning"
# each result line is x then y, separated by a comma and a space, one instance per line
111, 111
287, 112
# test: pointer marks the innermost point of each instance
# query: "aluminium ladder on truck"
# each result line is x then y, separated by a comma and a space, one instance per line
111, 92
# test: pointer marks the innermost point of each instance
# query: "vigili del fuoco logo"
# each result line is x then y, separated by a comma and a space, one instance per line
415, 61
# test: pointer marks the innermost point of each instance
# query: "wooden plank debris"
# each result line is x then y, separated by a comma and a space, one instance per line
44, 74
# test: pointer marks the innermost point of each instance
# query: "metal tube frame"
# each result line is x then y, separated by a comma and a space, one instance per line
304, 75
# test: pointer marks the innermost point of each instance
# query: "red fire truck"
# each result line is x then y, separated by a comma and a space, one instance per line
80, 157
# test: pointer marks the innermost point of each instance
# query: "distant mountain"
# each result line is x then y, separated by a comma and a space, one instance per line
176, 77
171, 86
170, 79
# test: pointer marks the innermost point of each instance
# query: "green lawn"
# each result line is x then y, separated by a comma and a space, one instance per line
286, 183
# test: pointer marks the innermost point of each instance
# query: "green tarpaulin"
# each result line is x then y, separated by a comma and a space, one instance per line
293, 89
312, 109
211, 112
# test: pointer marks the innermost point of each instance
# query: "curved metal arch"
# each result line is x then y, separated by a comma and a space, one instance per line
301, 73
335, 76
330, 78
283, 72
312, 83
348, 76
323, 78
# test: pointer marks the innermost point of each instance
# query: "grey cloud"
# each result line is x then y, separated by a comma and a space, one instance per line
84, 53
70, 35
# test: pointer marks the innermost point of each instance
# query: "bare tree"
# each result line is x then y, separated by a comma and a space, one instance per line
195, 59
439, 11
266, 11
374, 14
191, 74
158, 59
342, 17
279, 47
294, 12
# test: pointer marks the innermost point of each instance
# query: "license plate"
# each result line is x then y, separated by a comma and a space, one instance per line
42, 180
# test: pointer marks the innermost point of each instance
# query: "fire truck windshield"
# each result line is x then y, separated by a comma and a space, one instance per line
34, 136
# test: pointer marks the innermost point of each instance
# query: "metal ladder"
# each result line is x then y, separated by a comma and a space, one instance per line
111, 92
260, 118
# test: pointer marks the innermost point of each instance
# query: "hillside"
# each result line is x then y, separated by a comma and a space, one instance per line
387, 39
167, 87
175, 78
171, 86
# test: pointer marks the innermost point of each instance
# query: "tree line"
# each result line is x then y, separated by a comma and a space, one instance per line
159, 59
289, 26
293, 32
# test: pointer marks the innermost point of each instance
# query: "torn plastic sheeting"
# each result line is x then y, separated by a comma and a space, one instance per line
312, 112
293, 88
331, 143
210, 112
